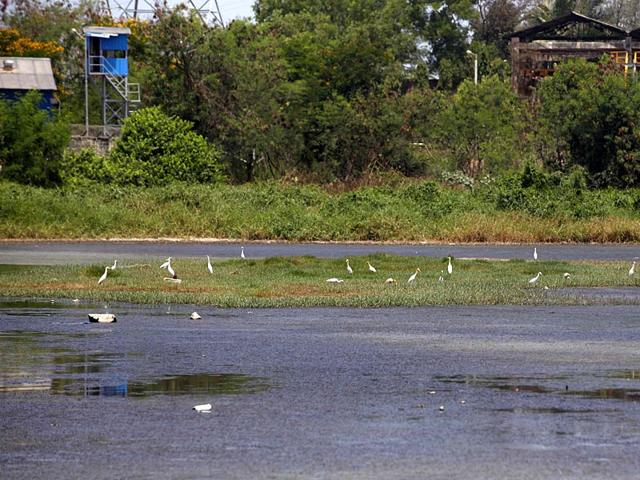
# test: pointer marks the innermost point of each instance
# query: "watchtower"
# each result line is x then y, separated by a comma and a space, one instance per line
106, 61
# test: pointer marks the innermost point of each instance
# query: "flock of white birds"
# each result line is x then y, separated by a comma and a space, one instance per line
389, 281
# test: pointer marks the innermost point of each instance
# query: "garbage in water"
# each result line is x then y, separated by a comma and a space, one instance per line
206, 407
195, 316
102, 317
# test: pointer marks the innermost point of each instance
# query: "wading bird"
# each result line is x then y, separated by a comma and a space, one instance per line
371, 268
441, 278
195, 316
334, 280
209, 266
242, 253
115, 264
412, 278
167, 265
349, 269
535, 279
632, 270
390, 280
104, 275
449, 267
566, 275
535, 253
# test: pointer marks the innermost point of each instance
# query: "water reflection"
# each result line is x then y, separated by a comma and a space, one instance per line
35, 361
200, 383
556, 384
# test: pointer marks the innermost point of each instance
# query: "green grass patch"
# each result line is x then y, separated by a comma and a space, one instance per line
301, 282
500, 211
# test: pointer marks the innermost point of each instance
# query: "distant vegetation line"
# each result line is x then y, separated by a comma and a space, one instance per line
500, 210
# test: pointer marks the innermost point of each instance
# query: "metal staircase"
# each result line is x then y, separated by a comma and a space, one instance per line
120, 96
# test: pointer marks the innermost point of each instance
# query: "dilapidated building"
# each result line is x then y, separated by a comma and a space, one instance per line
536, 51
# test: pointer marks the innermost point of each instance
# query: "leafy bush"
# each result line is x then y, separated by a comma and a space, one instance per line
32, 142
155, 148
80, 168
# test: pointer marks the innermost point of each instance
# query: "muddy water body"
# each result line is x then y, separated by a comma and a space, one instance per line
465, 393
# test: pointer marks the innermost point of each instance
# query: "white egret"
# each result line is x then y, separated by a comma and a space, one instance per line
104, 275
390, 280
535, 279
115, 264
632, 270
195, 316
167, 265
449, 267
566, 275
209, 266
441, 278
349, 269
371, 268
242, 253
535, 253
412, 278
334, 280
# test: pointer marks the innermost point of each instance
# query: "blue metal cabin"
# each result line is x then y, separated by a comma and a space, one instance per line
107, 63
108, 47
19, 75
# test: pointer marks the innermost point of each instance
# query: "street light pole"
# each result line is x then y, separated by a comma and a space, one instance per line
86, 83
475, 66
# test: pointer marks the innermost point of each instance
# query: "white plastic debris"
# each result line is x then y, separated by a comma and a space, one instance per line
206, 407
195, 316
102, 317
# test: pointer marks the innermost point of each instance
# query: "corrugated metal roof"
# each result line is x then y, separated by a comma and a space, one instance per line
27, 74
105, 32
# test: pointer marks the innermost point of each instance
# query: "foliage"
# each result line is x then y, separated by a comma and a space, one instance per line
483, 127
32, 142
522, 207
589, 116
155, 148
13, 44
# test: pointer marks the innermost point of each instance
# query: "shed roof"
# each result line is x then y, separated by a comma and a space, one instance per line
27, 74
555, 29
105, 32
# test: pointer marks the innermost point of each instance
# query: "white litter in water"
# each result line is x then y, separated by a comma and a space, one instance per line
206, 407
102, 317
195, 316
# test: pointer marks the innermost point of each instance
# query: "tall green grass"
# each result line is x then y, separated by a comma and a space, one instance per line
418, 211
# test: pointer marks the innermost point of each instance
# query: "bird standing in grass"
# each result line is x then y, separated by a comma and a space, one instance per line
449, 267
441, 278
566, 275
390, 281
413, 277
371, 268
535, 279
349, 269
104, 275
209, 266
115, 264
632, 270
167, 265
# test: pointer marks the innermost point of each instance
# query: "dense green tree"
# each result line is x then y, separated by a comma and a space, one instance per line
589, 116
32, 142
483, 127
